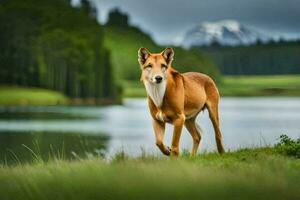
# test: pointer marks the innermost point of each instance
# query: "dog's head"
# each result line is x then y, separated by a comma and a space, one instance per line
155, 66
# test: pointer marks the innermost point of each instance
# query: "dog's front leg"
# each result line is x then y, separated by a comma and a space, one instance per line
178, 124
159, 130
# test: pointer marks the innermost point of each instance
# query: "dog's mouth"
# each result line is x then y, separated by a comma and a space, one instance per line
157, 81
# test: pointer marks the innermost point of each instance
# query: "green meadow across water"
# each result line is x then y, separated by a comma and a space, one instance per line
275, 85
13, 95
279, 85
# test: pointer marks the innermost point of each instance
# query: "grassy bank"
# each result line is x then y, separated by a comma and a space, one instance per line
283, 85
245, 174
280, 85
10, 95
13, 95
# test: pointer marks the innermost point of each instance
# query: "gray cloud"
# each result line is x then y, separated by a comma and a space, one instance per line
168, 20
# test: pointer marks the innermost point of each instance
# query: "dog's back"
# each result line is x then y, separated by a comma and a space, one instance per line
196, 88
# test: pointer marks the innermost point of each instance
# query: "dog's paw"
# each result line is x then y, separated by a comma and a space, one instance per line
175, 152
168, 151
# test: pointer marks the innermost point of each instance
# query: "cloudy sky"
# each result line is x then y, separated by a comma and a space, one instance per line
168, 20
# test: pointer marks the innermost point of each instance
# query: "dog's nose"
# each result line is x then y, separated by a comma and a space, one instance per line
158, 79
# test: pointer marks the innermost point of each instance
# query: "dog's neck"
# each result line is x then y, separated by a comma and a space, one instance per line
156, 91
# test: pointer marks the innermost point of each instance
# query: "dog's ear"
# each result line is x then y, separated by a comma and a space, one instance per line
168, 54
143, 54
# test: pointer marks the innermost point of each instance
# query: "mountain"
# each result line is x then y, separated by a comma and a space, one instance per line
226, 32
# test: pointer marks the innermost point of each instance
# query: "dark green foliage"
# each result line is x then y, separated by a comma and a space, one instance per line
193, 60
260, 59
117, 18
52, 45
89, 8
288, 146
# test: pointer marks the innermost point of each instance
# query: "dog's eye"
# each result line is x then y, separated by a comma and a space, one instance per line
148, 67
164, 67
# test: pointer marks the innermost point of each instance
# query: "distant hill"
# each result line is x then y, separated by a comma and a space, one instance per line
124, 41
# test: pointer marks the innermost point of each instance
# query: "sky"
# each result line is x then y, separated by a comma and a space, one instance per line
168, 20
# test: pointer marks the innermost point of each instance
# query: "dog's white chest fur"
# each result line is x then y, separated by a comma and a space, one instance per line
156, 91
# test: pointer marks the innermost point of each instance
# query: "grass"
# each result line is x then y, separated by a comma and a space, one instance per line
133, 89
12, 95
279, 85
260, 173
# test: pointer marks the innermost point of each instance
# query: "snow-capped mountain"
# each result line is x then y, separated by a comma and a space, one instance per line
226, 32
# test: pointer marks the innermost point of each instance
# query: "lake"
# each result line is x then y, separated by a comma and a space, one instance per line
245, 122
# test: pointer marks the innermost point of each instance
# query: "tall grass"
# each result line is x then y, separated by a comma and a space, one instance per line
244, 174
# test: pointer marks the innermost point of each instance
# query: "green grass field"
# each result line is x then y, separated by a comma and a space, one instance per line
280, 85
244, 174
283, 85
10, 95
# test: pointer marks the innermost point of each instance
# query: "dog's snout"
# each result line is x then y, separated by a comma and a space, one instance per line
158, 79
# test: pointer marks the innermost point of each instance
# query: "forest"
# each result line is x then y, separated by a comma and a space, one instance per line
273, 57
49, 44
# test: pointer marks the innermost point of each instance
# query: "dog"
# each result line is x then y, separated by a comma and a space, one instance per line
177, 98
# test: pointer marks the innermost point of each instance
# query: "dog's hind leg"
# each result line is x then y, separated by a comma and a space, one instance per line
212, 106
195, 132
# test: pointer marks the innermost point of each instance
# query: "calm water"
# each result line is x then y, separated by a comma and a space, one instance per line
245, 122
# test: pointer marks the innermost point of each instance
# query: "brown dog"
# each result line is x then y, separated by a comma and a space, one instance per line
177, 99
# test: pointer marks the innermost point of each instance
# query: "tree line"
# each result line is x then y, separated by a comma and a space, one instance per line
51, 44
280, 57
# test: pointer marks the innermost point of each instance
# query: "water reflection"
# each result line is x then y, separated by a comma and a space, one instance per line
21, 147
44, 113
245, 122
